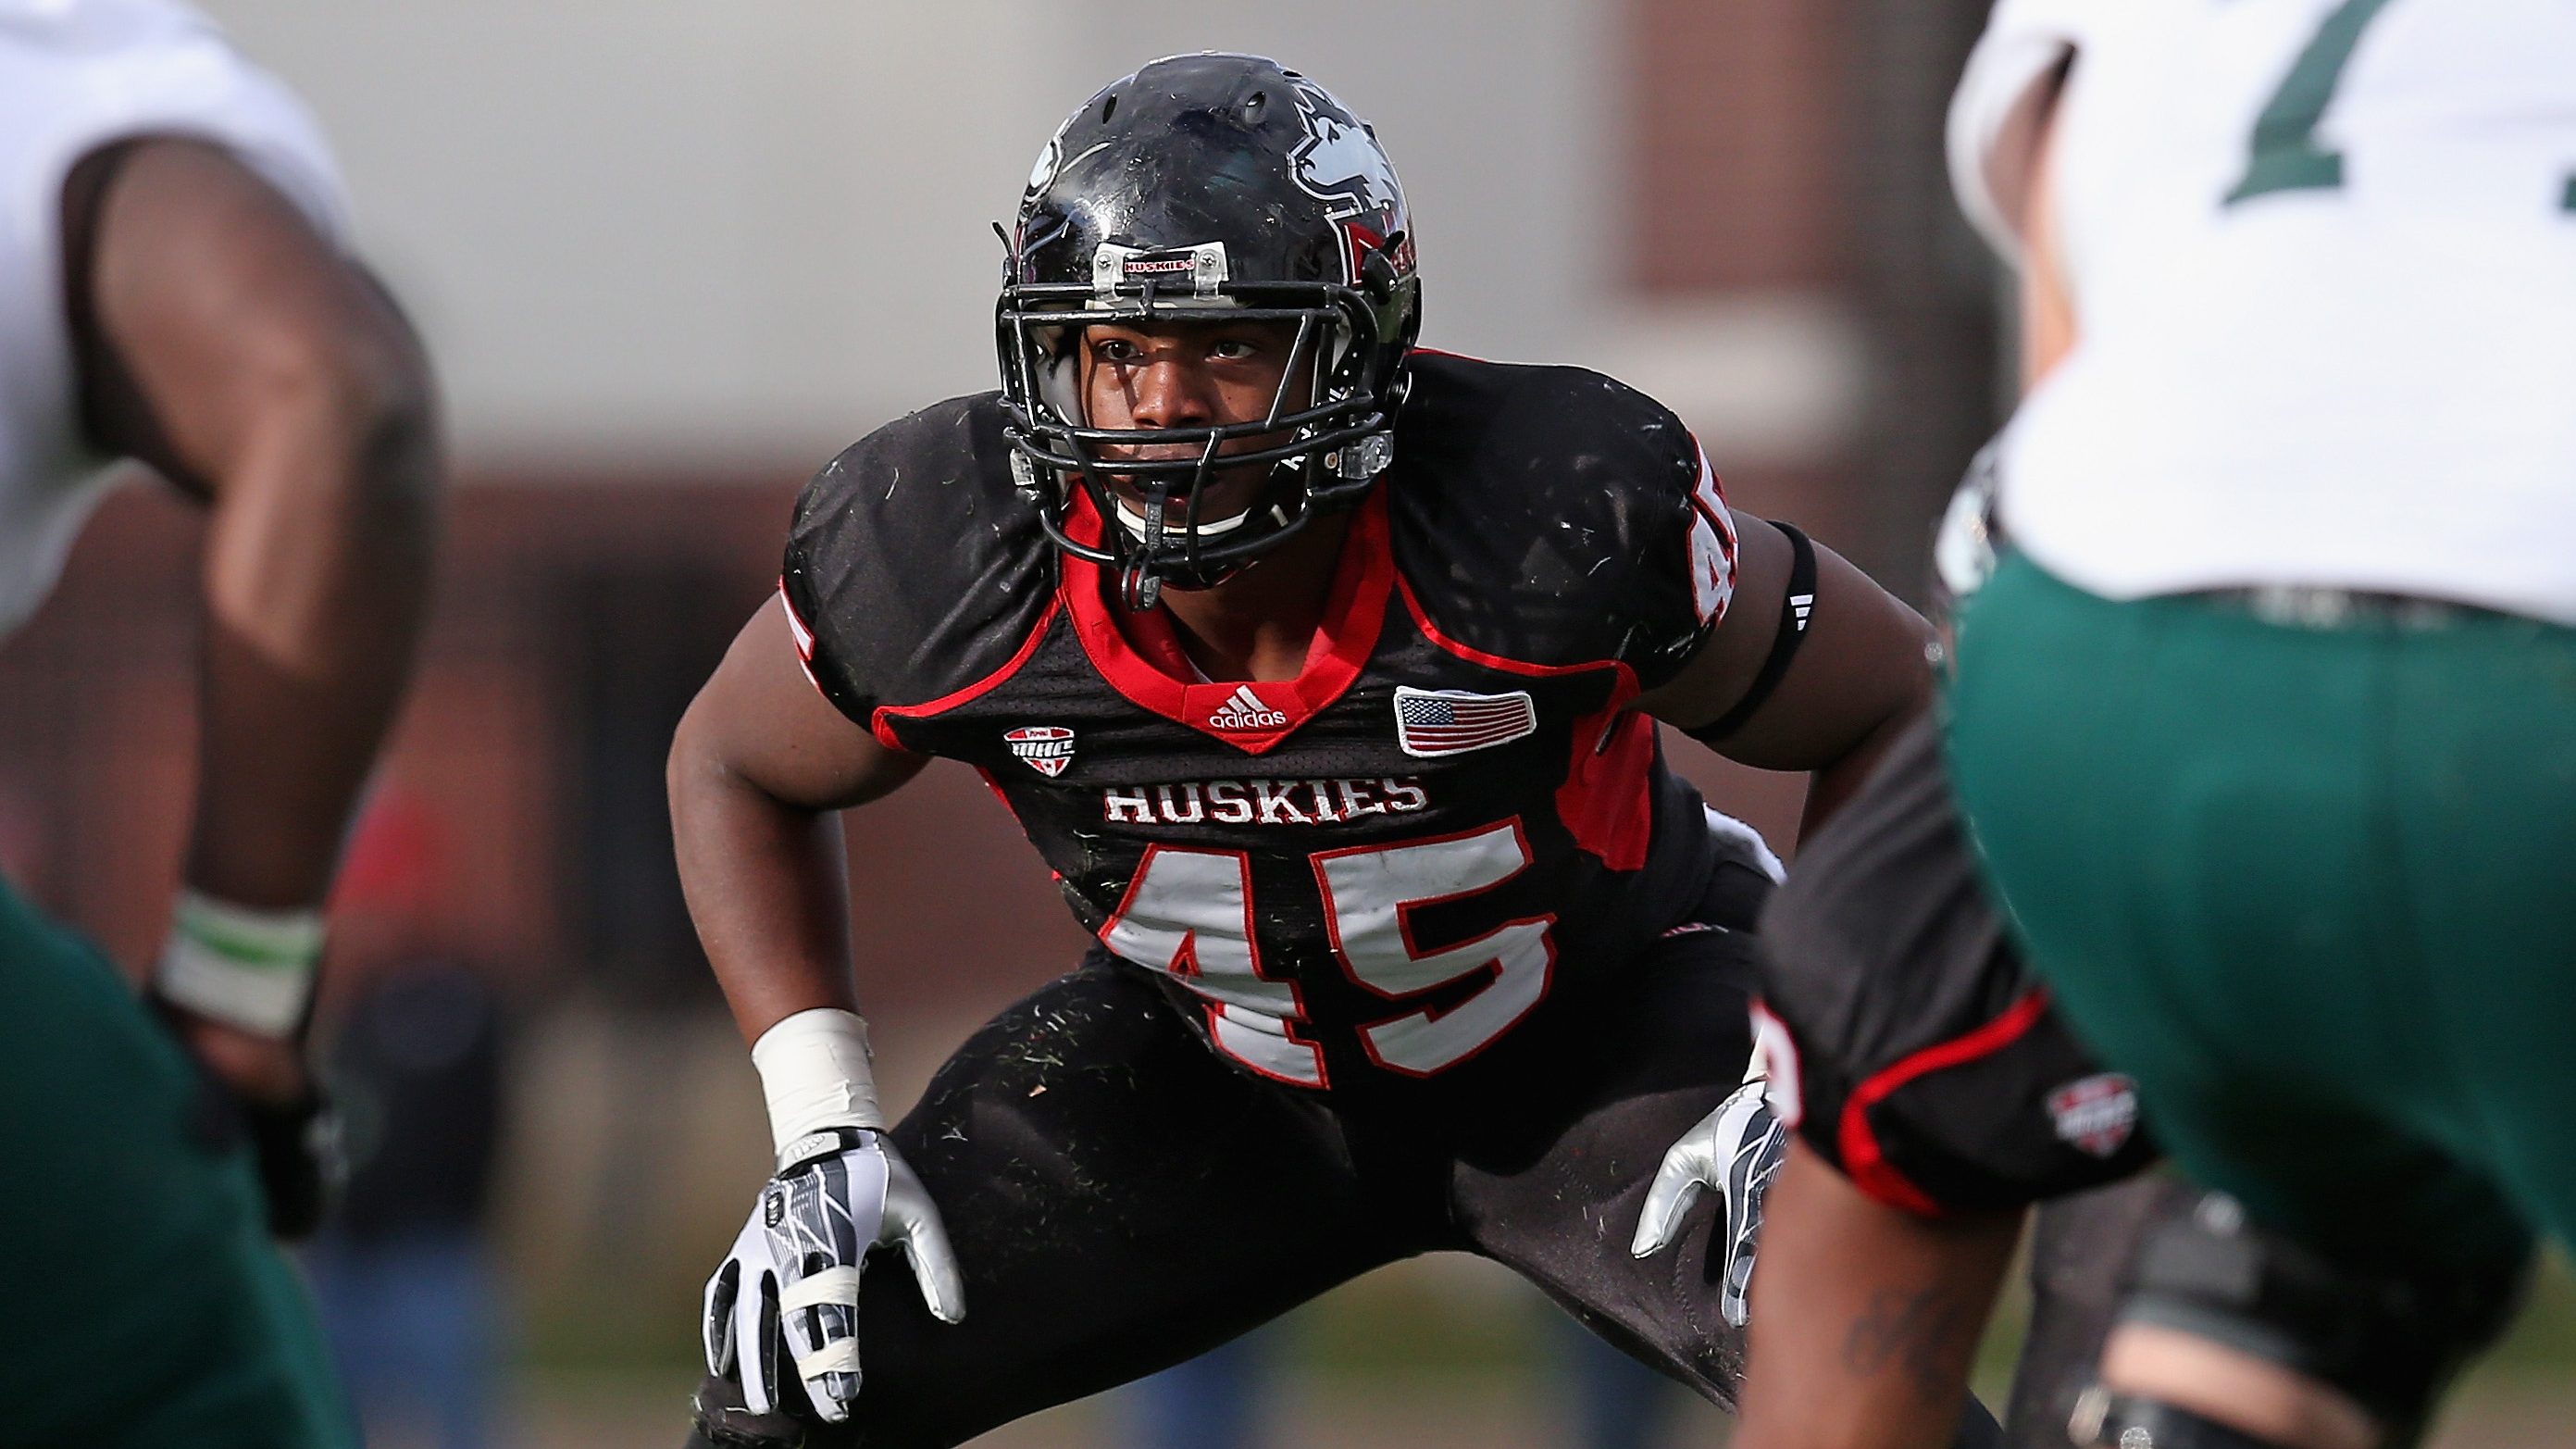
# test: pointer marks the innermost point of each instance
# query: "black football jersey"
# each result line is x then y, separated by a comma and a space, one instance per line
1904, 1038
1384, 864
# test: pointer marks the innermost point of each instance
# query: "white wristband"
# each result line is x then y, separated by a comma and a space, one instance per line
248, 968
814, 1073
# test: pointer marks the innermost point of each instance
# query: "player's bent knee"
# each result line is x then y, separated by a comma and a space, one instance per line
2385, 1342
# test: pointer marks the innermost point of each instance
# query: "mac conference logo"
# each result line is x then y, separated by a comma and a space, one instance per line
1047, 749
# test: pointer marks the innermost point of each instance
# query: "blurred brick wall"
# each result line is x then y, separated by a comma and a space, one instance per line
1795, 145
1737, 173
1773, 145
97, 736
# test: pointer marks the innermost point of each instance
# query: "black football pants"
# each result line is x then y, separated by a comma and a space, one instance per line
1122, 1199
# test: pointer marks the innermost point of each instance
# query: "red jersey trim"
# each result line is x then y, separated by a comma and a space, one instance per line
878, 723
1142, 659
1622, 691
1607, 802
1863, 1160
804, 640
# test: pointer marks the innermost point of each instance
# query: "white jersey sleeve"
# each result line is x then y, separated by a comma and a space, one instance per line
77, 75
2024, 40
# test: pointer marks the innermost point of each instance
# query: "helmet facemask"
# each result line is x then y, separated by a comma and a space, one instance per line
1135, 232
1321, 454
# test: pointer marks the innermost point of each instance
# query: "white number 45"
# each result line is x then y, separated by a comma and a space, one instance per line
1189, 912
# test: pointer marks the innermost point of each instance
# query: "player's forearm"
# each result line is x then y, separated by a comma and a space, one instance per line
1864, 1320
767, 887
316, 582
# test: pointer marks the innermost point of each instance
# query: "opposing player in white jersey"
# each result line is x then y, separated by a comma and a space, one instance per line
174, 290
2266, 726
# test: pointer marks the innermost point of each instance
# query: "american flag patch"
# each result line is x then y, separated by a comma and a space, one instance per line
1430, 723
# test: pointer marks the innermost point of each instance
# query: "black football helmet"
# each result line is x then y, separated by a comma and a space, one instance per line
1208, 188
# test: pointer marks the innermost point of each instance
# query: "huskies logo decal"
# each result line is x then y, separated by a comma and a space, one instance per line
2095, 1114
1339, 162
1047, 749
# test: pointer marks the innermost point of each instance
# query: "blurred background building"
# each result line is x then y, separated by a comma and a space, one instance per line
670, 256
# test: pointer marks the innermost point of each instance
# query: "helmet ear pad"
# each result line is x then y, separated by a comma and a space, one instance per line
1059, 373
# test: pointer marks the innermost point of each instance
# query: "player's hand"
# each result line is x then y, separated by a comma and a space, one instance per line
784, 1307
1737, 1150
263, 1090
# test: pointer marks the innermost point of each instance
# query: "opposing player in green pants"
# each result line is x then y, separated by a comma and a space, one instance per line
2267, 731
173, 290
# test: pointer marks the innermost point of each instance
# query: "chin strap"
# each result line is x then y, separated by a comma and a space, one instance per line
1136, 587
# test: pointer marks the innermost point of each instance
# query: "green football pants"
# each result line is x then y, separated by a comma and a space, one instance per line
2313, 886
141, 1300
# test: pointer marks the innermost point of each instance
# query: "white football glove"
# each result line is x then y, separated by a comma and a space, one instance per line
1736, 1149
790, 1287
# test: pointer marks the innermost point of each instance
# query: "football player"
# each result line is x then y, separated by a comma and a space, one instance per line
1324, 672
175, 288
2268, 799
1934, 1097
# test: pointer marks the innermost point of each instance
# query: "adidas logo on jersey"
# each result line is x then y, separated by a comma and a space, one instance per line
1047, 749
1243, 710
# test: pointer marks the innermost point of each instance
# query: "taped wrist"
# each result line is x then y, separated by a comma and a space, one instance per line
815, 1074
248, 968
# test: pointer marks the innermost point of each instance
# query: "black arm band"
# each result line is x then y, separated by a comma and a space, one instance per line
1797, 610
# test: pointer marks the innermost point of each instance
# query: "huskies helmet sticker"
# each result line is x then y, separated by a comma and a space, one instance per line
1340, 163
1047, 749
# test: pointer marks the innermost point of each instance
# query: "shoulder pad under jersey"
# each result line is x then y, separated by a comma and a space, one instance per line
913, 567
1557, 517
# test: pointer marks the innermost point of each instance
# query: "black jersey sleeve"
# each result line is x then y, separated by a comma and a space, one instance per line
1556, 516
1922, 1058
912, 568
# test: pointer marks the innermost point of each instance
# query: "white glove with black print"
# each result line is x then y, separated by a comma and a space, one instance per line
787, 1296
1736, 1149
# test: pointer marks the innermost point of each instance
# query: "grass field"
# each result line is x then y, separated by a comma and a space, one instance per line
1455, 1354
1433, 1353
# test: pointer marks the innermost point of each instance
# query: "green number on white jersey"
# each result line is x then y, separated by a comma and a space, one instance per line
2286, 155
